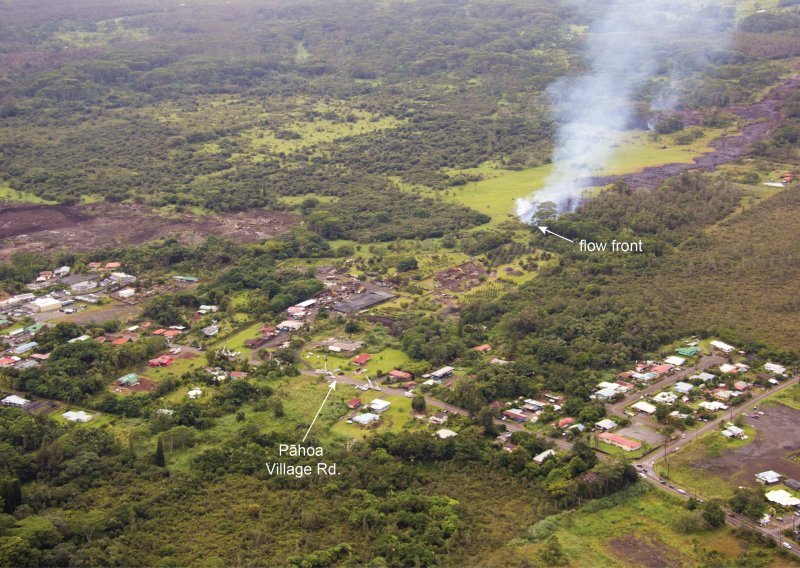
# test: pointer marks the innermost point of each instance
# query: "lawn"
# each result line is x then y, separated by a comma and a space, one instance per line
710, 445
496, 193
790, 396
9, 194
628, 529
236, 341
396, 417
178, 367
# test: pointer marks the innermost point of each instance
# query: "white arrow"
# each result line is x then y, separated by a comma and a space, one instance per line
545, 230
331, 388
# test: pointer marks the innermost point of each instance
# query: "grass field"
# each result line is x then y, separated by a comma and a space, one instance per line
236, 341
710, 445
396, 417
633, 528
496, 193
9, 194
790, 397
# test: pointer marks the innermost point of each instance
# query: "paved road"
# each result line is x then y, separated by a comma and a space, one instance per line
705, 362
647, 463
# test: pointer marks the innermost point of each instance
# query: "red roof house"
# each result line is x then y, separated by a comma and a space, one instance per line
482, 348
162, 361
400, 375
564, 422
354, 403
620, 441
159, 332
120, 340
661, 369
170, 333
362, 359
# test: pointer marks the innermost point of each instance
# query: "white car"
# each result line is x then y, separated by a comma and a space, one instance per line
409, 394
787, 545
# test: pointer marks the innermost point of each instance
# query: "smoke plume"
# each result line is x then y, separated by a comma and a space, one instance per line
627, 46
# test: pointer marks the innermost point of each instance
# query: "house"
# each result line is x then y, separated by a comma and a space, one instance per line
775, 369
678, 415
238, 374
120, 340
8, 361
683, 388
129, 380
185, 279
675, 360
645, 407
792, 484
515, 414
705, 377
77, 416
379, 405
732, 431
782, 498
361, 301
482, 348
160, 332
624, 387
498, 361
400, 375
662, 369
24, 348
26, 364
111, 266
713, 406
564, 422
61, 272
194, 393
126, 293
444, 433
605, 424
768, 477
442, 373
362, 359
724, 347
540, 458
665, 398
722, 394
354, 403
45, 304
607, 393
438, 418
255, 343
211, 330
290, 325
172, 333
162, 361
14, 400
689, 351
497, 405
295, 312
345, 346
740, 386
409, 385
305, 304
366, 418
620, 441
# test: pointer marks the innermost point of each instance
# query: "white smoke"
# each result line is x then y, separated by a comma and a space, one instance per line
625, 48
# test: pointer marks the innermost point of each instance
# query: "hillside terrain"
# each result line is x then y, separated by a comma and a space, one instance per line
266, 298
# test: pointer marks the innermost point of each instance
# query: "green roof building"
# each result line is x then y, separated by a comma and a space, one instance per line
128, 380
688, 351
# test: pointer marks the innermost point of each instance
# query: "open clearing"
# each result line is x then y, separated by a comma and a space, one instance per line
100, 225
716, 473
636, 527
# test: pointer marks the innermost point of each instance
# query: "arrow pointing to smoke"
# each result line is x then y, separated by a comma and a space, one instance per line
545, 230
331, 388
